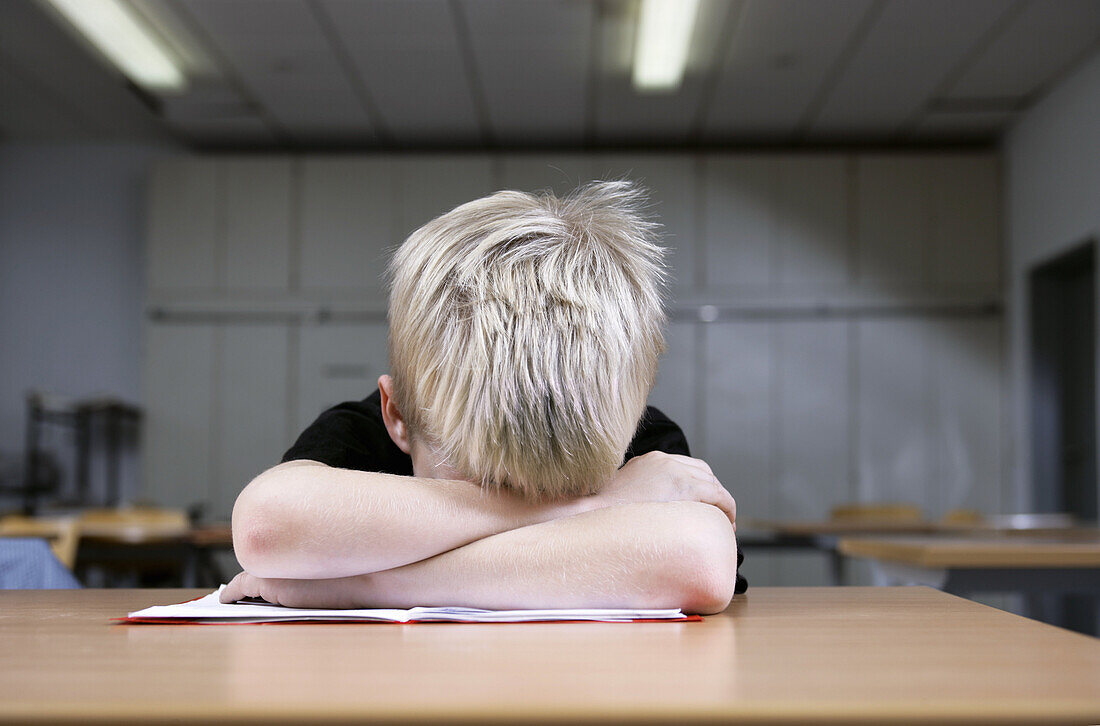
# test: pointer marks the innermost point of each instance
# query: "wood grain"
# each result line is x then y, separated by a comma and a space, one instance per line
778, 655
1078, 549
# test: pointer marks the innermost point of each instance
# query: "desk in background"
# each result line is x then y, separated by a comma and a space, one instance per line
777, 656
825, 535
819, 536
1039, 566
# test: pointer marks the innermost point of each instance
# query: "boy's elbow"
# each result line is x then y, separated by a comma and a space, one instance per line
261, 531
705, 572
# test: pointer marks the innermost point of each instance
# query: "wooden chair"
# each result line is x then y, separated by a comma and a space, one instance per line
63, 533
132, 546
877, 512
134, 525
963, 518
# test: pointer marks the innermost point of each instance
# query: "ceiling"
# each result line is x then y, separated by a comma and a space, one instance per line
315, 74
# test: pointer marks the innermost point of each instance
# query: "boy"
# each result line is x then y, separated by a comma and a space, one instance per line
485, 472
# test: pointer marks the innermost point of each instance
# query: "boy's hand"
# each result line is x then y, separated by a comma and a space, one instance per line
334, 593
661, 477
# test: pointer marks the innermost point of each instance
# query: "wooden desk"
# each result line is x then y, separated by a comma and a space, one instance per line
1069, 562
826, 535
778, 656
818, 535
830, 527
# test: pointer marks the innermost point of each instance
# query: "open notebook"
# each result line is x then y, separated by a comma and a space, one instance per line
208, 610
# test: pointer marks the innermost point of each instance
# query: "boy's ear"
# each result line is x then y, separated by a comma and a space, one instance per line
391, 415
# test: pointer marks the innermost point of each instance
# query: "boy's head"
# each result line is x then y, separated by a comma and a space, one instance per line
524, 336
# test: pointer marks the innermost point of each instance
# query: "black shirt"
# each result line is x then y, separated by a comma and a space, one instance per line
352, 435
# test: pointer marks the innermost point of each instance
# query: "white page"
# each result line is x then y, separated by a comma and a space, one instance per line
209, 610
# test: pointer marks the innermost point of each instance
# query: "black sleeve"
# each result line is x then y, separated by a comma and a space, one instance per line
352, 436
657, 432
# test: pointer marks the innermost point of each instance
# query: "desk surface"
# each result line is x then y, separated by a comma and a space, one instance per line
818, 527
779, 655
1079, 548
842, 527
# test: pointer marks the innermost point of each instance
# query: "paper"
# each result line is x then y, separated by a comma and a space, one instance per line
209, 610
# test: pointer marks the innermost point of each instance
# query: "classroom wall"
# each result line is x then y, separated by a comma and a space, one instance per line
835, 331
71, 277
1052, 203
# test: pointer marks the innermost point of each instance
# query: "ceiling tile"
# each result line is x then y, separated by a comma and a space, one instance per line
1039, 44
95, 96
979, 126
622, 114
781, 54
407, 55
533, 61
285, 61
906, 55
29, 112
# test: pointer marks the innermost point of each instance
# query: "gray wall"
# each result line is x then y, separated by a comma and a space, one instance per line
1053, 204
832, 365
71, 275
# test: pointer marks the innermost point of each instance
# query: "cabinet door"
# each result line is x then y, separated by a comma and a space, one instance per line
252, 408
812, 371
812, 428
739, 222
184, 227
812, 239
738, 371
338, 363
896, 402
737, 435
893, 221
257, 223
179, 379
969, 424
430, 186
349, 224
966, 238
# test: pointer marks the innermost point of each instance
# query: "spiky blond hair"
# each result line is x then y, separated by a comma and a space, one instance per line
524, 335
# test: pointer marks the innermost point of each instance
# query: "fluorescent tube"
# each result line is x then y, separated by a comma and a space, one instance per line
661, 50
112, 28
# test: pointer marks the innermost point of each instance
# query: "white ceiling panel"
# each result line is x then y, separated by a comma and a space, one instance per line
908, 52
95, 96
960, 126
533, 60
1040, 42
781, 54
666, 118
29, 112
227, 133
282, 56
407, 55
622, 115
399, 74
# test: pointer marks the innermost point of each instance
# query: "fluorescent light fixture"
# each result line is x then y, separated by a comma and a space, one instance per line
112, 28
661, 50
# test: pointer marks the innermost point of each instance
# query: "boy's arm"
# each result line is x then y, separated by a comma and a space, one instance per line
305, 520
650, 555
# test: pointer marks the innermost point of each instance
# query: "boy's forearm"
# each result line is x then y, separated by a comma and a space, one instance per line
653, 555
309, 521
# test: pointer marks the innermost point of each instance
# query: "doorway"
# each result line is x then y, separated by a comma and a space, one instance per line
1062, 294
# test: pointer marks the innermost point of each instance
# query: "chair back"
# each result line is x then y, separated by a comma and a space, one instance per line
877, 512
62, 533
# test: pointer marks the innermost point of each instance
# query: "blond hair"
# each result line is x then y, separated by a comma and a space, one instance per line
524, 335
